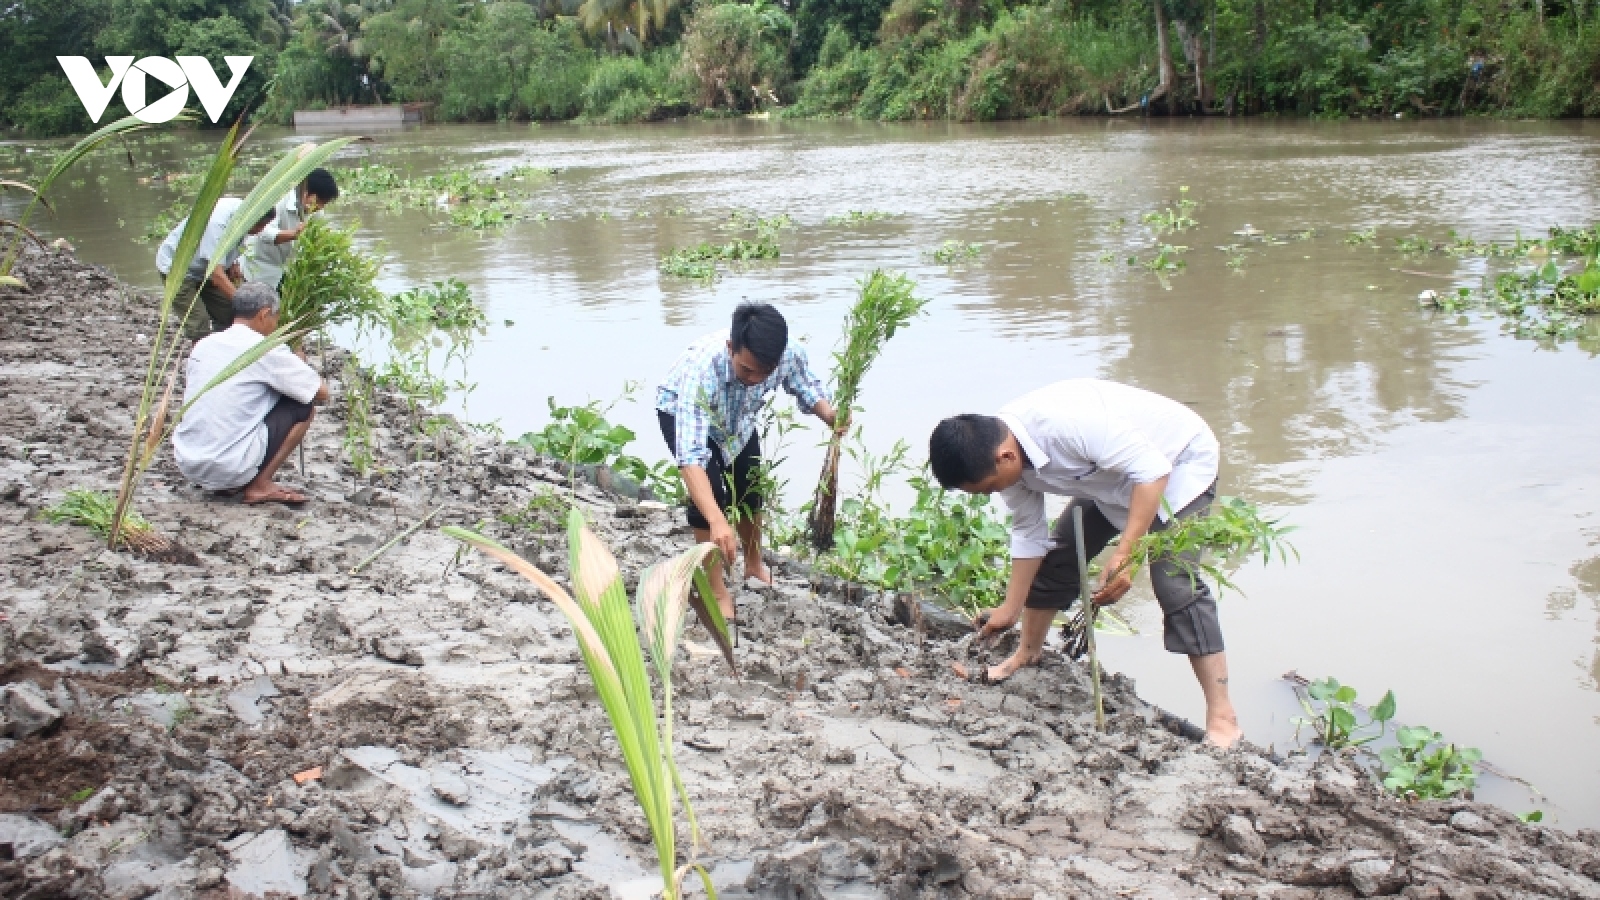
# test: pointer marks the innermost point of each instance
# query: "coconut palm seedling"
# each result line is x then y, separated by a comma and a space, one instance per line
151, 423
886, 305
66, 161
604, 625
94, 510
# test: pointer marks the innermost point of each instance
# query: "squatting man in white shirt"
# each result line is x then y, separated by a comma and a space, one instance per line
237, 435
1119, 452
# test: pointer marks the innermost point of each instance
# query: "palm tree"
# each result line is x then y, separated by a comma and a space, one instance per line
626, 18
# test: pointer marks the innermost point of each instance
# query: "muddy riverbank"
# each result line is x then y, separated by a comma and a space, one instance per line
267, 723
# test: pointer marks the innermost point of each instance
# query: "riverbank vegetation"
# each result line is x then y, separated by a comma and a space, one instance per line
607, 61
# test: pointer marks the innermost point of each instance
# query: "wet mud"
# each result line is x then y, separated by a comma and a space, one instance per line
266, 724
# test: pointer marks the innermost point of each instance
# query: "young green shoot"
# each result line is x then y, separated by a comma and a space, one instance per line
608, 633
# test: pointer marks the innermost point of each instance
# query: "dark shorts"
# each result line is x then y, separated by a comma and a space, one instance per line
1189, 612
742, 490
280, 420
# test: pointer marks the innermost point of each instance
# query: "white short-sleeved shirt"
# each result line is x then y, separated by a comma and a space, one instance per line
221, 215
222, 441
1095, 440
267, 258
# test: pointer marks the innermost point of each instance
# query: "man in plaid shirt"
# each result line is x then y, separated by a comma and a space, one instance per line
707, 406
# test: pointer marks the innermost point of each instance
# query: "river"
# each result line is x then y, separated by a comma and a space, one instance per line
1441, 473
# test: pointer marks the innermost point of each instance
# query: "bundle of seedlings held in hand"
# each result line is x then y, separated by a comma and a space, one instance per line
1209, 545
886, 305
329, 281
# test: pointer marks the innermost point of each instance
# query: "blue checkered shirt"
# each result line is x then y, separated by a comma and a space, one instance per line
710, 404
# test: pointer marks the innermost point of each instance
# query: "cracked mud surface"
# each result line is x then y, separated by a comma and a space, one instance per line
156, 715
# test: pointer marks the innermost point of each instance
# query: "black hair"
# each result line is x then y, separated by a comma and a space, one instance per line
761, 329
321, 183
961, 449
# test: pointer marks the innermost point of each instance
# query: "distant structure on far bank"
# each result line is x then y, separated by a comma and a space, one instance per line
379, 116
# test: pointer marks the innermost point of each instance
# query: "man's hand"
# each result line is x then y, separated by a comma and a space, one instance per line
1114, 581
727, 544
831, 417
995, 621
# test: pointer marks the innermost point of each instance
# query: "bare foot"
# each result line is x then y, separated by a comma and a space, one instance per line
1011, 666
1223, 731
724, 601
272, 493
757, 569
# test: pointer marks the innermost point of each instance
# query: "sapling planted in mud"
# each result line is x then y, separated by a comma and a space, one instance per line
604, 626
94, 510
887, 303
358, 444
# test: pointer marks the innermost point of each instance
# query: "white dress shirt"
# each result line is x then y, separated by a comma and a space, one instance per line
1096, 440
221, 215
222, 440
267, 258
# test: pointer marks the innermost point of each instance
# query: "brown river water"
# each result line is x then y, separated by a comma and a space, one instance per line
1442, 473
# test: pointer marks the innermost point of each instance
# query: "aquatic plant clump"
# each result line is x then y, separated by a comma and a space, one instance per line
1177, 217
857, 217
470, 197
700, 262
1543, 297
951, 252
1422, 766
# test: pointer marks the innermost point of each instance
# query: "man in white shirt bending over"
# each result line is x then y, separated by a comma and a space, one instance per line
1119, 452
213, 310
239, 433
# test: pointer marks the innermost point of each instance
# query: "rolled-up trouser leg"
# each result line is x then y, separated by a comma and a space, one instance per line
1189, 611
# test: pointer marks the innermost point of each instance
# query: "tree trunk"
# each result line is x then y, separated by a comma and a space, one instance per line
1169, 72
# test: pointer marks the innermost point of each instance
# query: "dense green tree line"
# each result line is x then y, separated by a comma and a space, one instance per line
637, 60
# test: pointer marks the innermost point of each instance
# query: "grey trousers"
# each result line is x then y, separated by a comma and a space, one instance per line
1189, 612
